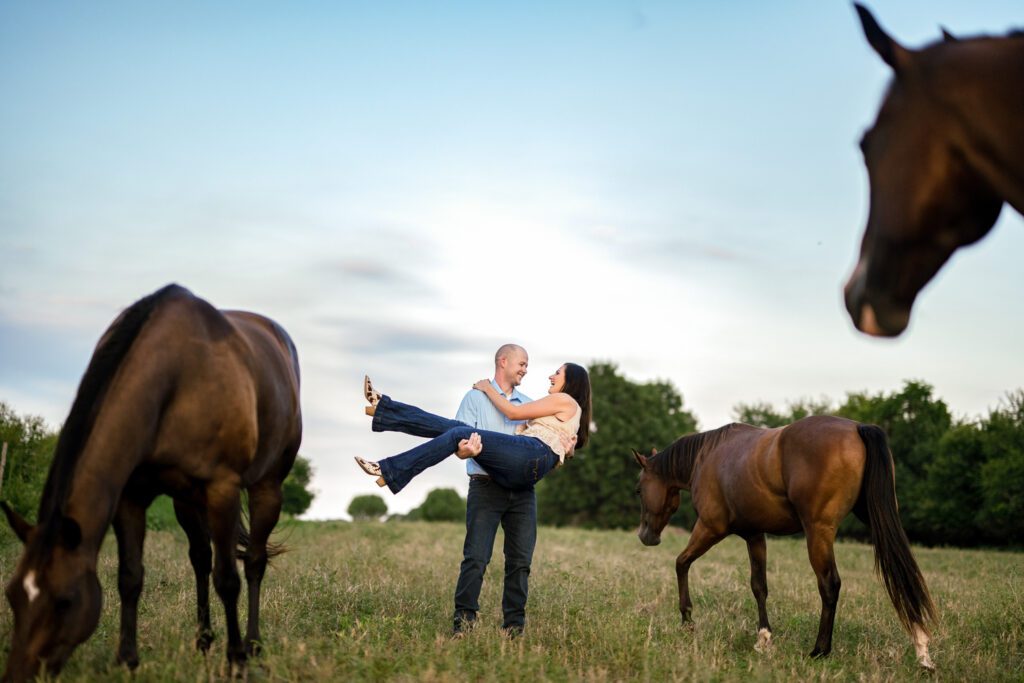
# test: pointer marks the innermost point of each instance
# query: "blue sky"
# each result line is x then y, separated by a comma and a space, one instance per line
672, 186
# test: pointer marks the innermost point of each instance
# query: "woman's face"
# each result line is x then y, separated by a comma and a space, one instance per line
557, 381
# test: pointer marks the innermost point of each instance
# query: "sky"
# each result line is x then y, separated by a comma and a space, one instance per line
674, 187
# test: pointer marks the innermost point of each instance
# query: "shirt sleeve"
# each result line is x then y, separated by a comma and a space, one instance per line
468, 410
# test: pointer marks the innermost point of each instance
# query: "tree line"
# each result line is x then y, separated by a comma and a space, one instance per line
959, 481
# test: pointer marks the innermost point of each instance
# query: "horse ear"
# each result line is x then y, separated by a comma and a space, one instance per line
18, 524
70, 533
641, 460
891, 52
948, 37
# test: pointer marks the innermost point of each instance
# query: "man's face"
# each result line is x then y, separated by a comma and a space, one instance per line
515, 367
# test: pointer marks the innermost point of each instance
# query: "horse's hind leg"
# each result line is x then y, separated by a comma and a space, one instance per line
222, 515
130, 530
264, 510
758, 552
701, 540
201, 557
820, 540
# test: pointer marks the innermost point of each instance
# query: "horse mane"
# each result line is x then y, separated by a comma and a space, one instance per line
675, 463
105, 361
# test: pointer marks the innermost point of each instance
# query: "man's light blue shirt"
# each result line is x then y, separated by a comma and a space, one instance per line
477, 411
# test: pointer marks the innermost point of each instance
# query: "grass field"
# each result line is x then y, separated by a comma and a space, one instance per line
372, 601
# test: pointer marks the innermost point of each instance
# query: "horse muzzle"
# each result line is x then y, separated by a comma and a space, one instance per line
647, 537
872, 314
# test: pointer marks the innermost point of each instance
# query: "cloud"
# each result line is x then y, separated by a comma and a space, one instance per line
371, 337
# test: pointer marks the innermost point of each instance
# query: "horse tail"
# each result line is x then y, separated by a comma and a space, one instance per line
893, 558
245, 540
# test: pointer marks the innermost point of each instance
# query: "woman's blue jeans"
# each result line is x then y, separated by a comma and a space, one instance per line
514, 462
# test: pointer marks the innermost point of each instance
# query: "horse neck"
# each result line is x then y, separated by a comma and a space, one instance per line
124, 429
986, 95
679, 463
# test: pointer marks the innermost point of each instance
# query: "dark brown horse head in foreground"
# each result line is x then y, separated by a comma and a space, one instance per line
945, 152
54, 594
659, 500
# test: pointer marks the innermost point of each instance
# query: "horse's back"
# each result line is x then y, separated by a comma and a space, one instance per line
231, 383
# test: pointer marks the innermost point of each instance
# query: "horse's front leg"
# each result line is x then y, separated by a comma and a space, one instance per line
758, 552
130, 531
222, 516
264, 510
201, 557
820, 540
701, 540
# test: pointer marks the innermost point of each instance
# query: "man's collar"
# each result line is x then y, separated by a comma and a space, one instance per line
514, 395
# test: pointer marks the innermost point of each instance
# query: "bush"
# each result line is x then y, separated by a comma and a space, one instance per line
367, 507
441, 505
297, 495
30, 446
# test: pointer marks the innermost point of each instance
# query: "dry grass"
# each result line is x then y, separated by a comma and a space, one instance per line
373, 602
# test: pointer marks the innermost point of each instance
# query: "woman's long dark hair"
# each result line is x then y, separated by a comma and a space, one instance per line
577, 385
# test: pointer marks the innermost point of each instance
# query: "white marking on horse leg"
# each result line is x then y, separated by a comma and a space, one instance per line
920, 639
764, 640
29, 584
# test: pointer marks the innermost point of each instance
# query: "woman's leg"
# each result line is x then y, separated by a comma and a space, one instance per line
392, 416
515, 462
399, 470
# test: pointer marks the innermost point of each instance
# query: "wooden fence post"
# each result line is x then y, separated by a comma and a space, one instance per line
3, 463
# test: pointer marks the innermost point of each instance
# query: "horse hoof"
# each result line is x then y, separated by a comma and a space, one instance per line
818, 653
764, 640
253, 648
203, 642
129, 660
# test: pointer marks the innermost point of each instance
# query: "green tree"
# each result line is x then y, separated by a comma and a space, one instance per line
595, 488
915, 423
762, 414
441, 505
370, 506
297, 494
1001, 515
30, 445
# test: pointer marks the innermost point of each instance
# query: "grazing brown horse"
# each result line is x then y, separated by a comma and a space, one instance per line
179, 398
805, 477
945, 152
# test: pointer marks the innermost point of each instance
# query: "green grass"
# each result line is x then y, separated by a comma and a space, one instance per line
372, 601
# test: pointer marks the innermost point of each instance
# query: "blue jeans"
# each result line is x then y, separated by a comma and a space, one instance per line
487, 506
514, 462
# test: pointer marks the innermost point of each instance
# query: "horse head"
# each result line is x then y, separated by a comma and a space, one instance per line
54, 594
659, 500
926, 198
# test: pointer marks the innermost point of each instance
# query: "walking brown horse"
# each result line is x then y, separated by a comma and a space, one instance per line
945, 152
805, 477
178, 398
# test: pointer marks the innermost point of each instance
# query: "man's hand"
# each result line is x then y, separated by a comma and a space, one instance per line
568, 443
471, 447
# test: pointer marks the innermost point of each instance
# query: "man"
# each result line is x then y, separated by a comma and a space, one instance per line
489, 505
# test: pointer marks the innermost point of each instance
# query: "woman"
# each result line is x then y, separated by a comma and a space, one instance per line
513, 461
